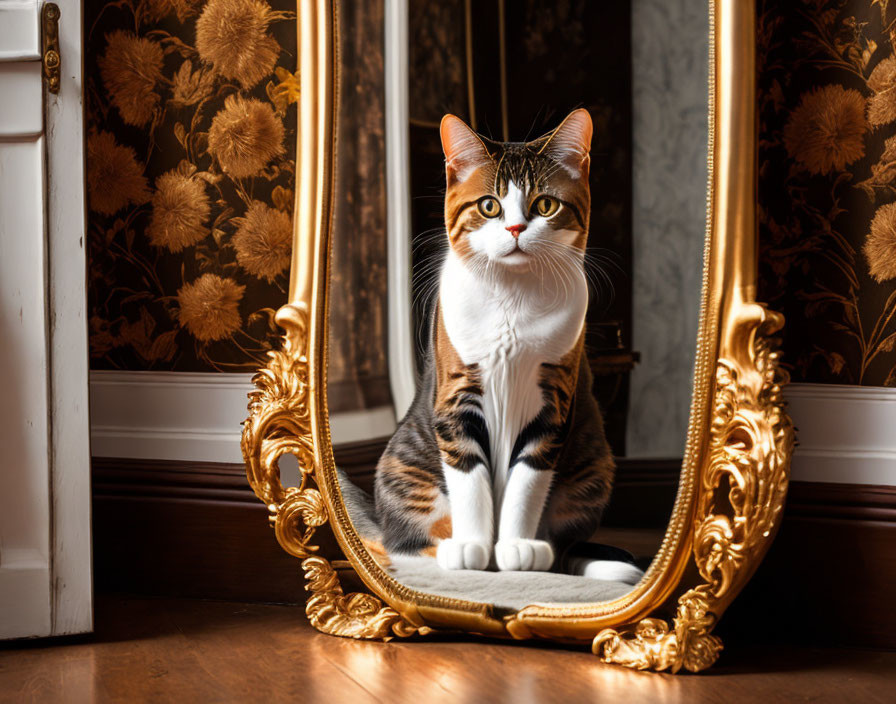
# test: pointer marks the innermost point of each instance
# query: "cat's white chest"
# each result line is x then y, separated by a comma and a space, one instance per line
490, 324
509, 334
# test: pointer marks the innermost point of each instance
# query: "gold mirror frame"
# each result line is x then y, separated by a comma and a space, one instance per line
737, 456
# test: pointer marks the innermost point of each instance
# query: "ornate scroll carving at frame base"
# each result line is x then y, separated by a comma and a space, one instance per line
358, 615
652, 645
279, 423
739, 506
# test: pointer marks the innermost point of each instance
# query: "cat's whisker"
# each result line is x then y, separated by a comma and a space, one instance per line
596, 276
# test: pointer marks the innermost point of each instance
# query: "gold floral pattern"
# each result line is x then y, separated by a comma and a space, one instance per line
209, 307
180, 209
190, 86
826, 130
882, 105
191, 113
827, 185
880, 247
132, 70
182, 9
245, 136
114, 176
263, 241
232, 35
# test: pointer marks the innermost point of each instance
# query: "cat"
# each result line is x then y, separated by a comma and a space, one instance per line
501, 460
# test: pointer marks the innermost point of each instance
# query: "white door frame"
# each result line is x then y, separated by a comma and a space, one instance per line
402, 374
45, 556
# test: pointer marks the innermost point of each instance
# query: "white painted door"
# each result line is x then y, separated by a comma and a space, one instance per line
45, 578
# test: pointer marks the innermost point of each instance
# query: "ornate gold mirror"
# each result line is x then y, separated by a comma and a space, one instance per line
391, 195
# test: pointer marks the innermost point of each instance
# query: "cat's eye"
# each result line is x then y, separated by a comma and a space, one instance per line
489, 207
545, 206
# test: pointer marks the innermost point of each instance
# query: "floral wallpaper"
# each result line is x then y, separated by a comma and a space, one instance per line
190, 113
827, 185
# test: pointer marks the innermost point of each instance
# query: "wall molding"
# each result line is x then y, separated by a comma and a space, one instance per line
196, 529
844, 433
208, 481
192, 417
20, 31
829, 501
827, 579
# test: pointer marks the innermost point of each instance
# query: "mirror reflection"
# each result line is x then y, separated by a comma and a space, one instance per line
513, 308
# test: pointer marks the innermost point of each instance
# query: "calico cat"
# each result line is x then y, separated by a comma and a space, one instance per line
502, 458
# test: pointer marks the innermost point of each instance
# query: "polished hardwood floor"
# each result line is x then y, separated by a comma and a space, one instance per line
163, 650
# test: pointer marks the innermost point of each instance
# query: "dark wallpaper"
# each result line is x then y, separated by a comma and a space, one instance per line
827, 185
190, 113
357, 370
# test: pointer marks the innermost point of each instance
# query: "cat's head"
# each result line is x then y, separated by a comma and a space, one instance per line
517, 204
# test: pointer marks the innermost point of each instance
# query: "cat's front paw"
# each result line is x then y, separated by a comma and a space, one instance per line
524, 554
462, 555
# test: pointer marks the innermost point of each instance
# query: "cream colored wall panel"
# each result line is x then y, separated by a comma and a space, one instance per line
19, 30
845, 433
23, 404
25, 574
24, 427
192, 417
23, 114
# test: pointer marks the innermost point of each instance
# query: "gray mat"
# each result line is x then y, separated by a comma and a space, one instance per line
506, 590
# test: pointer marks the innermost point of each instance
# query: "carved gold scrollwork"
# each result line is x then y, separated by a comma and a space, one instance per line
738, 509
353, 615
652, 645
279, 423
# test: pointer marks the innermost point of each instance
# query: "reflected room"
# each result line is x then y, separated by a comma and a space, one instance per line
417, 217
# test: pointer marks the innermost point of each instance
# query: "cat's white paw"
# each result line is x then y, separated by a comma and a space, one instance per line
524, 554
462, 555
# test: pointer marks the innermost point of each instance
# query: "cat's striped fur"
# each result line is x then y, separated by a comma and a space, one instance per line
502, 457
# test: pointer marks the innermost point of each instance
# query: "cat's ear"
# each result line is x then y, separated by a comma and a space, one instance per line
464, 150
570, 143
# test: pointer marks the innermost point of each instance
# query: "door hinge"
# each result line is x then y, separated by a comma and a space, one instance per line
50, 38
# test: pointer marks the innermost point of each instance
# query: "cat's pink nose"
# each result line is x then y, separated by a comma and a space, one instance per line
515, 230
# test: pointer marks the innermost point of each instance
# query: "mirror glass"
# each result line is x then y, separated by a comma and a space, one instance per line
515, 289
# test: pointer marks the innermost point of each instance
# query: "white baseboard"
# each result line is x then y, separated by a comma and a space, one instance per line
25, 585
846, 434
191, 416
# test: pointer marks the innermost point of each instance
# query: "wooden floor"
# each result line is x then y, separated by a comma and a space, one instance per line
195, 652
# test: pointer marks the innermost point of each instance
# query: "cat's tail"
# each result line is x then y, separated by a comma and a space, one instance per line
605, 562
360, 507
